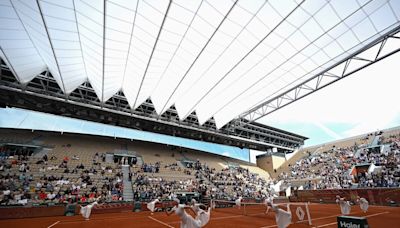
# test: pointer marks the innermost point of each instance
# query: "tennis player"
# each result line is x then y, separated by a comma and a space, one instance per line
238, 202
283, 217
363, 204
200, 211
187, 221
268, 202
345, 205
152, 205
87, 210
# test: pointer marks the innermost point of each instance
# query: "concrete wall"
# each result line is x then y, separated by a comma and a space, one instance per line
270, 162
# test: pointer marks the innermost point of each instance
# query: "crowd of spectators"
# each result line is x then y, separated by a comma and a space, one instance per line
150, 168
51, 181
146, 187
236, 181
333, 169
230, 182
388, 166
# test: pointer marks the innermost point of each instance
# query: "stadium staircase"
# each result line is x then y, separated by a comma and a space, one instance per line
285, 167
41, 153
208, 182
128, 192
139, 161
180, 164
375, 140
203, 176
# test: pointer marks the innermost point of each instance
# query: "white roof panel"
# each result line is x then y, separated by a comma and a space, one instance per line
218, 58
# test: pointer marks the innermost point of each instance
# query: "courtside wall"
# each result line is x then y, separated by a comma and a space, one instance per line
376, 196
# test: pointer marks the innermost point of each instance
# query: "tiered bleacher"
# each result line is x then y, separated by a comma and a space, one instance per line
50, 168
376, 164
71, 168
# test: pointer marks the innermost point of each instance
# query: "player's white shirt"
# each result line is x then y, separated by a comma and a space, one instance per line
196, 208
87, 210
238, 202
268, 201
283, 218
187, 221
152, 205
364, 204
345, 206
203, 216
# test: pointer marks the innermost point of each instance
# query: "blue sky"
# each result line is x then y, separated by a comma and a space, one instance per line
365, 101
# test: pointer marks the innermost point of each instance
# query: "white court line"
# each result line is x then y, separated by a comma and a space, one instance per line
161, 222
218, 218
269, 226
319, 218
325, 217
53, 224
226, 217
367, 216
96, 219
223, 217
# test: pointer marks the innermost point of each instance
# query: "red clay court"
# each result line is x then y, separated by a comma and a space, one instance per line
322, 215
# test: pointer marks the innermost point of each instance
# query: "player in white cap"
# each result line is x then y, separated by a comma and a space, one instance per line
187, 221
87, 210
152, 205
268, 202
283, 217
238, 201
363, 204
345, 205
201, 214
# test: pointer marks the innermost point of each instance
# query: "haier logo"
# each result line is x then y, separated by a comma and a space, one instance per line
349, 225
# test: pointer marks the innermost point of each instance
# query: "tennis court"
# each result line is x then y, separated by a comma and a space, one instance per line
322, 215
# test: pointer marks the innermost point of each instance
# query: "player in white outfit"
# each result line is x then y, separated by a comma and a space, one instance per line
195, 206
283, 218
201, 214
268, 202
238, 201
187, 221
363, 204
87, 210
345, 205
152, 205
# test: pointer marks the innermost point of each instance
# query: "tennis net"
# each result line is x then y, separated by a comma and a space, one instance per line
300, 211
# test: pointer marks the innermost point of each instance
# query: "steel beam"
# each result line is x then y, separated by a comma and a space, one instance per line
340, 70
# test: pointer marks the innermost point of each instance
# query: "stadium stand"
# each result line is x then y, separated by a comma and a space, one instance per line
52, 170
80, 172
372, 163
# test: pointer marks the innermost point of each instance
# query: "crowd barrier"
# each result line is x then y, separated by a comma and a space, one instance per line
376, 196
15, 212
163, 205
113, 208
31, 212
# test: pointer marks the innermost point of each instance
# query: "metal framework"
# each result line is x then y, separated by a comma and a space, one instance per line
243, 131
84, 103
382, 48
